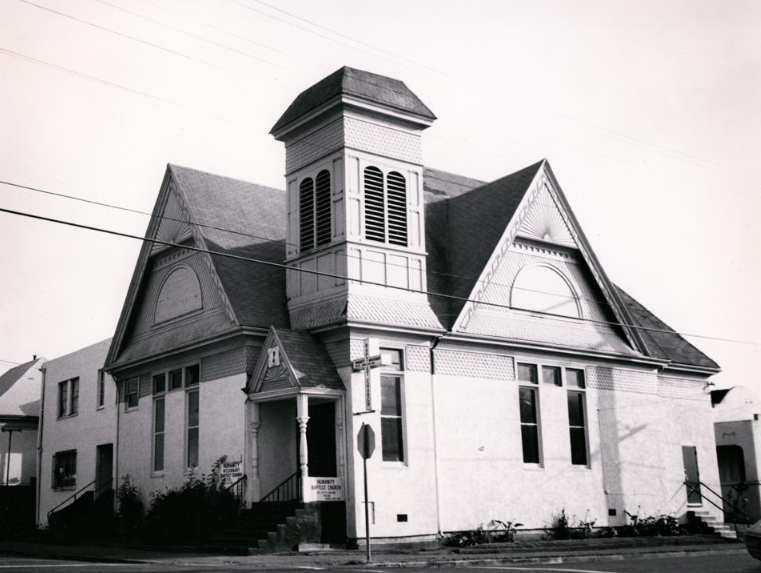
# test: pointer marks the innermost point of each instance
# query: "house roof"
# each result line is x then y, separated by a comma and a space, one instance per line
309, 359
243, 219
373, 88
9, 378
661, 340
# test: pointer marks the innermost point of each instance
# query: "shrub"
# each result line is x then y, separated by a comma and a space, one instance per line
651, 526
563, 529
130, 506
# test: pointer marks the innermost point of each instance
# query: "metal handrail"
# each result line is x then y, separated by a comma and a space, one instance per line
238, 484
288, 490
72, 498
735, 509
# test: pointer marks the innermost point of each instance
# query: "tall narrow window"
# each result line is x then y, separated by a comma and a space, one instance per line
63, 398
392, 423
397, 209
577, 416
158, 432
193, 423
74, 402
132, 392
375, 205
322, 208
101, 389
529, 412
306, 214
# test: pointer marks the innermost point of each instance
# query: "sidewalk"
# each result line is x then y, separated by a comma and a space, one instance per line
493, 554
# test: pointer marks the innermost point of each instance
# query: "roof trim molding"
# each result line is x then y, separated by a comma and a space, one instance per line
170, 186
263, 366
544, 178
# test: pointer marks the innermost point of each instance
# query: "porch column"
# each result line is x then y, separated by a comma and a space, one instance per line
302, 417
255, 489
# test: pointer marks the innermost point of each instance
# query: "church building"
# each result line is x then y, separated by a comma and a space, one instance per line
468, 324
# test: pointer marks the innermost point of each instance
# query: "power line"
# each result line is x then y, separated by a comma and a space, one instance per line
346, 278
11, 362
121, 34
476, 280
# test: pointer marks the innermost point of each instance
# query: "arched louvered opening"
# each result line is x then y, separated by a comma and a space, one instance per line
397, 208
375, 208
543, 288
306, 214
322, 208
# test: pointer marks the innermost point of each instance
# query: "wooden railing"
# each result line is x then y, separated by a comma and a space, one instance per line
73, 497
238, 490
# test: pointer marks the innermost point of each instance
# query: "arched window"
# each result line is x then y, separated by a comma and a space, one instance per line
180, 294
544, 289
385, 207
314, 211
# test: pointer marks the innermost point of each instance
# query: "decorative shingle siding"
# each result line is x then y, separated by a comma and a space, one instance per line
619, 380
313, 146
224, 364
473, 365
339, 352
682, 388
382, 140
417, 358
357, 349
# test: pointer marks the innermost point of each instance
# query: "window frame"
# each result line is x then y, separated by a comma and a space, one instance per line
68, 398
64, 456
580, 390
531, 385
100, 398
390, 206
193, 390
395, 371
129, 391
158, 398
318, 213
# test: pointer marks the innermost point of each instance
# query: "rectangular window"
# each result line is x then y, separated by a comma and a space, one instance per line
101, 389
575, 378
193, 423
529, 424
74, 401
191, 376
159, 383
158, 433
527, 373
391, 419
131, 392
578, 429
65, 470
551, 375
175, 379
63, 398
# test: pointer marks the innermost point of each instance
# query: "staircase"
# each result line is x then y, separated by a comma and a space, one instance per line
704, 521
260, 529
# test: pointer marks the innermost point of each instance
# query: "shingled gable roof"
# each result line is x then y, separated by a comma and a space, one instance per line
306, 359
373, 88
661, 340
227, 216
9, 378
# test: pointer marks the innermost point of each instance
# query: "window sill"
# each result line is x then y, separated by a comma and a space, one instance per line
68, 416
66, 488
533, 467
394, 465
157, 474
581, 468
100, 407
135, 409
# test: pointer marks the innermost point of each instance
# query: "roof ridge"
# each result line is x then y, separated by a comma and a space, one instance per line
173, 166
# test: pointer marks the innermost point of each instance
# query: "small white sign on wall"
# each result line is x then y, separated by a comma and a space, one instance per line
324, 489
231, 471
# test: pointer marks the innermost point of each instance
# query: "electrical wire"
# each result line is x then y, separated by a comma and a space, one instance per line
350, 279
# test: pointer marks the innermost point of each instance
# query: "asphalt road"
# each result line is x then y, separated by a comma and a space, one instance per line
719, 563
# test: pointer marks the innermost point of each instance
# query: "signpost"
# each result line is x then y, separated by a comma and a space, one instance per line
366, 446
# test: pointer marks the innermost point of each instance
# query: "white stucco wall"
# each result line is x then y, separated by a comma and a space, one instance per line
221, 432
83, 432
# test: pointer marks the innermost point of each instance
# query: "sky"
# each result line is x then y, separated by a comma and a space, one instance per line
647, 112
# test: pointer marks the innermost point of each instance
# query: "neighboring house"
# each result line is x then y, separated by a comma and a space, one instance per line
738, 448
469, 324
19, 414
78, 427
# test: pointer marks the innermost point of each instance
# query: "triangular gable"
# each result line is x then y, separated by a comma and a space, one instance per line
171, 222
544, 214
291, 359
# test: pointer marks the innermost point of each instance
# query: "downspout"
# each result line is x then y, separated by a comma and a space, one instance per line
116, 447
40, 425
435, 438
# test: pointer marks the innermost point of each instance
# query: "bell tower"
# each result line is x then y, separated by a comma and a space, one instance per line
355, 212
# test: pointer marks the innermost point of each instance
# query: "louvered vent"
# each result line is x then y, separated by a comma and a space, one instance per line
397, 209
375, 212
306, 214
322, 208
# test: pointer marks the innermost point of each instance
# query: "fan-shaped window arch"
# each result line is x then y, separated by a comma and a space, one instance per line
543, 288
180, 294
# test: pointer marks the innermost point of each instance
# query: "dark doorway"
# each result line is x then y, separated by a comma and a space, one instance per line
691, 474
104, 469
321, 439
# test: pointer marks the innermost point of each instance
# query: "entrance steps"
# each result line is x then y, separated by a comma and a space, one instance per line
704, 520
259, 529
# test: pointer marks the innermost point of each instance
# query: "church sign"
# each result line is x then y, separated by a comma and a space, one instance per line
324, 489
231, 471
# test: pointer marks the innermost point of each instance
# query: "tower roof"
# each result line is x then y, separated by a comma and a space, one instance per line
371, 88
